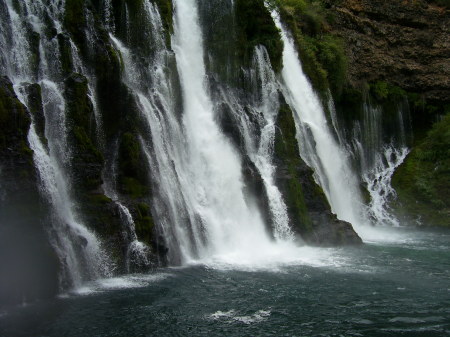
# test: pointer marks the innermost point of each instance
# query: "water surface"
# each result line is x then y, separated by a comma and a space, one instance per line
396, 285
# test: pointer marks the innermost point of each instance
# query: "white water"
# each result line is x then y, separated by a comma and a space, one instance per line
378, 181
259, 137
154, 98
80, 252
318, 147
214, 167
200, 202
379, 157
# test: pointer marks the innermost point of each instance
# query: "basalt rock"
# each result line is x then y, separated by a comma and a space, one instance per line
28, 263
307, 206
402, 42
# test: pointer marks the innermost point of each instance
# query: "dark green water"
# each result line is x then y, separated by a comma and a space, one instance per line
398, 287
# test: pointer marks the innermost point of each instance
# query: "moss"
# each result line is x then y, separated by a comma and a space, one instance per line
25, 149
133, 187
422, 180
99, 199
144, 229
35, 55
80, 115
14, 119
75, 19
129, 155
97, 210
66, 54
143, 209
286, 150
133, 176
256, 27
166, 12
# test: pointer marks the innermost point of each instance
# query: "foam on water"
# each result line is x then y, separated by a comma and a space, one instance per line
233, 316
117, 283
276, 259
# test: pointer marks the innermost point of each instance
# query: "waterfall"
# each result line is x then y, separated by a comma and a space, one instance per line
318, 147
137, 252
80, 252
199, 197
259, 137
380, 145
151, 86
214, 168
378, 181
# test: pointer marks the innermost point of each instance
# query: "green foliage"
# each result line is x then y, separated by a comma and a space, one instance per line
422, 180
256, 27
384, 91
322, 53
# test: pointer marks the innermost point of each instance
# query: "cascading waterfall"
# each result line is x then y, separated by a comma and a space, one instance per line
108, 18
200, 202
137, 251
259, 137
78, 248
229, 223
153, 94
378, 181
318, 147
379, 156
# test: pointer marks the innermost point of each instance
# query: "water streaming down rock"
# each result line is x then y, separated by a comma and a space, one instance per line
152, 91
379, 143
79, 250
213, 172
137, 256
317, 144
201, 206
378, 181
259, 136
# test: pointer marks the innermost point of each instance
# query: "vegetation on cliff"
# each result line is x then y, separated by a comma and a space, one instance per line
322, 53
256, 27
422, 181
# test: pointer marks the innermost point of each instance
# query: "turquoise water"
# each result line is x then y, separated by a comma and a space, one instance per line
398, 286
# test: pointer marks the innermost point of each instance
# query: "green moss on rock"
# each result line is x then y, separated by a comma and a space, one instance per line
75, 19
133, 179
144, 223
166, 12
14, 120
81, 119
286, 152
256, 27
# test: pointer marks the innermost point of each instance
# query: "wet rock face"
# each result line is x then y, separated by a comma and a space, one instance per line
307, 206
330, 231
402, 42
28, 263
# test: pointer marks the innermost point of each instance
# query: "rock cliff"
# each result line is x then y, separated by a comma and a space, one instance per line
402, 42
